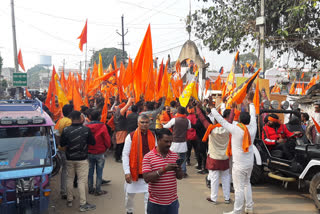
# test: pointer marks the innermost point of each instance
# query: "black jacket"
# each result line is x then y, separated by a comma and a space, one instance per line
76, 139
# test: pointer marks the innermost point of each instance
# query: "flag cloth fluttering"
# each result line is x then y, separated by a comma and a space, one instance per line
20, 60
28, 93
188, 92
256, 98
83, 36
240, 93
143, 64
293, 89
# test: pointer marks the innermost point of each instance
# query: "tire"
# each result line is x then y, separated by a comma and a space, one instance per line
56, 162
315, 189
257, 174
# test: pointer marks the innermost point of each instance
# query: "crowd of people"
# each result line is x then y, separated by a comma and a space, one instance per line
154, 143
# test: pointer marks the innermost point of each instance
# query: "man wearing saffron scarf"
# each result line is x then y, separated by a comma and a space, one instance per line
241, 149
180, 126
217, 160
137, 145
166, 116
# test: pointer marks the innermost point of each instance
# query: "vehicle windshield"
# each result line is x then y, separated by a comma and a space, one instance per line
24, 147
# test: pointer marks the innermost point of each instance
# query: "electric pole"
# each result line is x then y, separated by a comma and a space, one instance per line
261, 23
122, 35
15, 55
93, 51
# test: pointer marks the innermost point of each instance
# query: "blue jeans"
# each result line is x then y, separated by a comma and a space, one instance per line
183, 166
95, 161
172, 208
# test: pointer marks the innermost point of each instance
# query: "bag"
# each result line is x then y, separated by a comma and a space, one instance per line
191, 134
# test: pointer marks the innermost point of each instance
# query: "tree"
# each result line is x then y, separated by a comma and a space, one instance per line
252, 58
33, 75
290, 25
107, 55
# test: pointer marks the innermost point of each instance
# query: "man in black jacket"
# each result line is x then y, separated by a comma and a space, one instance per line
76, 139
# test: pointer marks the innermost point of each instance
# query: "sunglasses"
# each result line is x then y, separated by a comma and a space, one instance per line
144, 122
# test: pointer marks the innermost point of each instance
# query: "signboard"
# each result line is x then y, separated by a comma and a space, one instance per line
20, 79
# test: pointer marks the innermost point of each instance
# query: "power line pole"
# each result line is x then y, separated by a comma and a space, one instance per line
93, 51
15, 56
261, 23
123, 35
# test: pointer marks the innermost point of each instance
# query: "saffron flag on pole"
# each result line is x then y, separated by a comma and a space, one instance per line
83, 36
240, 93
100, 67
20, 60
256, 98
188, 91
293, 89
28, 93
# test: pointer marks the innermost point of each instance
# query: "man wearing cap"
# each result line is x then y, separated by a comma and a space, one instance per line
275, 135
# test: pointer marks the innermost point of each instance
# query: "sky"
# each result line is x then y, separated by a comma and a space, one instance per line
46, 27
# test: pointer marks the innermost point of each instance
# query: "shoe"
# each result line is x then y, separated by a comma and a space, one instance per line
198, 167
248, 210
185, 175
211, 201
64, 197
228, 212
129, 213
119, 161
104, 182
91, 191
87, 207
101, 192
69, 203
202, 172
227, 201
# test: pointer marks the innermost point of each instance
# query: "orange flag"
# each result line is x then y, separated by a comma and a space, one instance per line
293, 89
28, 94
311, 83
316, 124
77, 100
143, 64
207, 85
240, 93
164, 83
20, 61
63, 82
83, 36
302, 75
256, 98
50, 100
178, 67
104, 113
159, 77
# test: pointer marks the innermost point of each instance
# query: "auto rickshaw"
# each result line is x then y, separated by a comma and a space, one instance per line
27, 147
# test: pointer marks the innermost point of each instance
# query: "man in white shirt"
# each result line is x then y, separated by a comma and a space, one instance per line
137, 144
180, 126
242, 156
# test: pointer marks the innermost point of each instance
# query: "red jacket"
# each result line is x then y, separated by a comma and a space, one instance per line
270, 135
102, 137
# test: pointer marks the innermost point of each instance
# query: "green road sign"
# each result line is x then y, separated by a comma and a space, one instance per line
19, 79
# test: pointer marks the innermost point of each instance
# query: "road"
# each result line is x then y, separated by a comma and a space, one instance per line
268, 198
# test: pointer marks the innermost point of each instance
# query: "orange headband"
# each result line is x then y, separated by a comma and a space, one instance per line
273, 120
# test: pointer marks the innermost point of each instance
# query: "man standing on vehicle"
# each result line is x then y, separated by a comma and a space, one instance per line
161, 171
241, 149
317, 119
137, 145
76, 139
